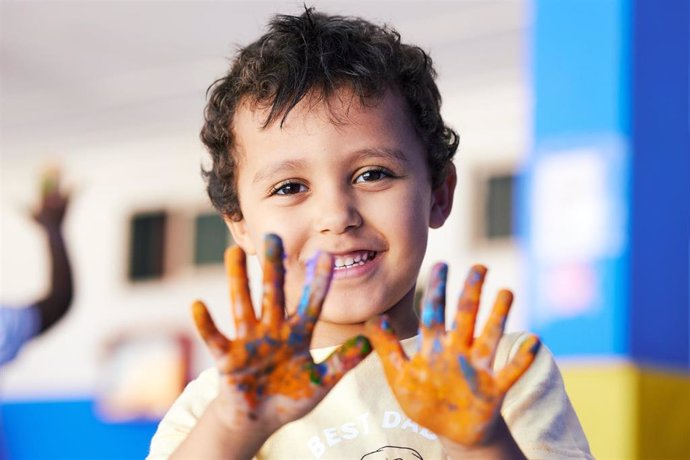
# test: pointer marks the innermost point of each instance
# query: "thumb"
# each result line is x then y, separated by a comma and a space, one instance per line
346, 357
519, 364
387, 346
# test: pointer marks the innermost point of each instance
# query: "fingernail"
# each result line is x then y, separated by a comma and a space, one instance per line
317, 372
385, 324
438, 280
273, 247
356, 346
311, 267
477, 273
536, 346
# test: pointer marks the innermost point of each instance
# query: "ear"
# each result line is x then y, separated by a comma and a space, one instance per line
442, 198
238, 230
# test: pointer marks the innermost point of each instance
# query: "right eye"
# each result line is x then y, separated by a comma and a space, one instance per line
288, 188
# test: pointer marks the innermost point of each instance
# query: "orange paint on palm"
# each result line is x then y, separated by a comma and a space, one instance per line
449, 386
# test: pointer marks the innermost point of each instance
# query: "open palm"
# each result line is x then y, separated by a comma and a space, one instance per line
449, 386
267, 373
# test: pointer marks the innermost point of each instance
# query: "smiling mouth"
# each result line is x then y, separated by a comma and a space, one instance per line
354, 259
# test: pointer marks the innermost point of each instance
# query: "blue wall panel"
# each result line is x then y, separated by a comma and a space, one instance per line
580, 64
660, 302
581, 71
69, 430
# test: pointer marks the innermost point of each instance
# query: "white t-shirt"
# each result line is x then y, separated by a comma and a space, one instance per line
361, 419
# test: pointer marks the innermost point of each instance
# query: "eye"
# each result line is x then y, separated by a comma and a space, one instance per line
373, 175
288, 188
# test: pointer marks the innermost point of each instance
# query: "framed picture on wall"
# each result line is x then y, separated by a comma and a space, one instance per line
142, 373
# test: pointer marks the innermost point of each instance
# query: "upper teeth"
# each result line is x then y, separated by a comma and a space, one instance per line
353, 259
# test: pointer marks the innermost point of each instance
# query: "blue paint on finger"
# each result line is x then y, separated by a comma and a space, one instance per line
316, 372
435, 300
303, 307
534, 349
273, 247
386, 324
474, 277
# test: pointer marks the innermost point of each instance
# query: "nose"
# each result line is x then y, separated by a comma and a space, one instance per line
337, 213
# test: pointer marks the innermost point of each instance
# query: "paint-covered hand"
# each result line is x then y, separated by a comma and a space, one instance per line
449, 386
268, 377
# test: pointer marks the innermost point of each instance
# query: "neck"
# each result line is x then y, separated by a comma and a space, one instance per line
402, 317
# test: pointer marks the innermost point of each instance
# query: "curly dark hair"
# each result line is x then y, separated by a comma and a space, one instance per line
316, 55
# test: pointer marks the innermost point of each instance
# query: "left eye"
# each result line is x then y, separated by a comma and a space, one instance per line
372, 175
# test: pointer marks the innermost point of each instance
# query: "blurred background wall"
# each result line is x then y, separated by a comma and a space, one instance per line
573, 170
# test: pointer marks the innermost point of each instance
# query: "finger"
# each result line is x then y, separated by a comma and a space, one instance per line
466, 314
240, 299
484, 348
273, 305
316, 284
214, 339
433, 310
347, 356
386, 344
519, 364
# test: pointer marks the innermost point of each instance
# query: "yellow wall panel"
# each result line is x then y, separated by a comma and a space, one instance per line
664, 415
631, 413
604, 397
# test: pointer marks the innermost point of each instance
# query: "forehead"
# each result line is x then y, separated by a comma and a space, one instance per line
382, 122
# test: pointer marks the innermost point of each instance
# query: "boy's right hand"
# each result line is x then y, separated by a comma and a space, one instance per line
268, 377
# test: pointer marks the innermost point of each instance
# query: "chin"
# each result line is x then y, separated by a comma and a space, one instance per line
354, 308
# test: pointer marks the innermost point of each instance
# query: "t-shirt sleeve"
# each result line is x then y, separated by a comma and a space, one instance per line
183, 415
537, 409
17, 326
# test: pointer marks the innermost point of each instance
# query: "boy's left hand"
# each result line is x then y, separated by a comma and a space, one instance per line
449, 386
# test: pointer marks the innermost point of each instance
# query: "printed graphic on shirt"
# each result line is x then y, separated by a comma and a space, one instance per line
393, 453
395, 423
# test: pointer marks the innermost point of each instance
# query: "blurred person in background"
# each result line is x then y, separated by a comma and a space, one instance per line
18, 325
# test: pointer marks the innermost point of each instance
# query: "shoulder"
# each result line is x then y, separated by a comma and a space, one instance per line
537, 408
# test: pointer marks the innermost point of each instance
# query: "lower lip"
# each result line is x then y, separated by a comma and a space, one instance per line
357, 270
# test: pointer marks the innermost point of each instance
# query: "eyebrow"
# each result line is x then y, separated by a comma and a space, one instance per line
273, 169
392, 154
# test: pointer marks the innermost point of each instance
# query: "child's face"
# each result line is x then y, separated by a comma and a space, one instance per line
359, 189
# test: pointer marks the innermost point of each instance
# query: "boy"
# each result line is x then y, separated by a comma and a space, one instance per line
327, 132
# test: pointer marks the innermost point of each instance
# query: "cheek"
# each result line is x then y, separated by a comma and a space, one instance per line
261, 223
409, 222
